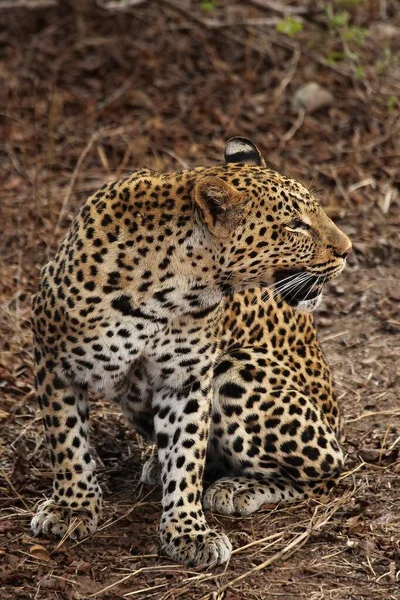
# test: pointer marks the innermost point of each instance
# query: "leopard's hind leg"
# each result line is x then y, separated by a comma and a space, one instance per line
281, 443
75, 505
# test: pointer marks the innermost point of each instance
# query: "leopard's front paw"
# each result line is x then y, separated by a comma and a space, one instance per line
206, 549
53, 520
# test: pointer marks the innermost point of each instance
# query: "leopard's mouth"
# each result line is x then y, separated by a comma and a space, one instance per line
296, 286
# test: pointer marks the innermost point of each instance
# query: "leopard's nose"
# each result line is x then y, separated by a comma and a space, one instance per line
342, 253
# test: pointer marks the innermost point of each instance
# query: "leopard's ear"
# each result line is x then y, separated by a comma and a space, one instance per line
221, 205
242, 150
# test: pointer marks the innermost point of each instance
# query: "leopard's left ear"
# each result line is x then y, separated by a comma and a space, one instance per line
242, 150
221, 205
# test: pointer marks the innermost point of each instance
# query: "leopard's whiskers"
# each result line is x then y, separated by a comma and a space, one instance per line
292, 279
297, 285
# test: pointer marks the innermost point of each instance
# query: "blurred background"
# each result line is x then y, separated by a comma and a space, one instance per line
92, 89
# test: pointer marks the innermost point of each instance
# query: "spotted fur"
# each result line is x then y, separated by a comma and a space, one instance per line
276, 427
132, 305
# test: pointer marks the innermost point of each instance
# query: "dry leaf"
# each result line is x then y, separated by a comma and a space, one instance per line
6, 526
39, 552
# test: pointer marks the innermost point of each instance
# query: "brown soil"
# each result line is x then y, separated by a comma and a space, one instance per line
86, 98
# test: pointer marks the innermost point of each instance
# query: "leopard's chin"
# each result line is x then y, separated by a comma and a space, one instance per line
309, 305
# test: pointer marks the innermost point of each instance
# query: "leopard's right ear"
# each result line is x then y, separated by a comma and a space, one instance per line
242, 150
221, 205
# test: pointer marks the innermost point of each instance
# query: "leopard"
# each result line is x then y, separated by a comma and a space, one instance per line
130, 308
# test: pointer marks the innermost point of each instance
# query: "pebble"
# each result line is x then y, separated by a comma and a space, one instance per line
311, 97
385, 31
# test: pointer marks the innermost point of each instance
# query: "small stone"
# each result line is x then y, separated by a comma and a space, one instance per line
311, 97
370, 454
369, 547
384, 31
385, 519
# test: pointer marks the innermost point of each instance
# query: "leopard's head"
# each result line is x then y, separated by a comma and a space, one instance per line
268, 229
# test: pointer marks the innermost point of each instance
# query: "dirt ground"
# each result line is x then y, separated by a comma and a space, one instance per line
88, 95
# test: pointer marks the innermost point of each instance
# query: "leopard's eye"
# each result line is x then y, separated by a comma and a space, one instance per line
297, 225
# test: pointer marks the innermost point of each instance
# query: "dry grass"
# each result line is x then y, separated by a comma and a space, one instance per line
85, 99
